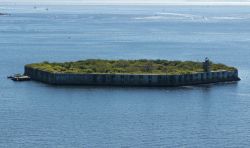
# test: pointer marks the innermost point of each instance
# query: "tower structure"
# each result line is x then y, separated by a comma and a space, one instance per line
206, 65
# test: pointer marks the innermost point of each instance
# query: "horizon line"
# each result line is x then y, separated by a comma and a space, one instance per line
139, 3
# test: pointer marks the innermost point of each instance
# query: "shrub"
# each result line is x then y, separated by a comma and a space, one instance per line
141, 66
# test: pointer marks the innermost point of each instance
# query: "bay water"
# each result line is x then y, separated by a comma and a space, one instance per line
34, 114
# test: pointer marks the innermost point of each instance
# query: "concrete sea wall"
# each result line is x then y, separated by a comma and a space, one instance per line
131, 79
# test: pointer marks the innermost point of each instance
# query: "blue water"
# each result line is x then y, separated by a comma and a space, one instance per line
33, 114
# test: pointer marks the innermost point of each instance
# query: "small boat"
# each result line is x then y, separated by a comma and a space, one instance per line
21, 78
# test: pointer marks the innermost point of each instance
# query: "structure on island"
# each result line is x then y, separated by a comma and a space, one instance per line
206, 65
131, 73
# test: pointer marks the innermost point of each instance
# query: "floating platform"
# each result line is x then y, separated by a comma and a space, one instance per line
19, 77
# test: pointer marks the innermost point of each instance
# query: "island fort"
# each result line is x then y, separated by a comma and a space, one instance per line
131, 72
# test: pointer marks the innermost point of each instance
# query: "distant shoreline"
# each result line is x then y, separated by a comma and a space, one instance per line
247, 4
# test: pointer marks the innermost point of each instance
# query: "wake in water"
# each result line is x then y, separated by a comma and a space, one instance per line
192, 17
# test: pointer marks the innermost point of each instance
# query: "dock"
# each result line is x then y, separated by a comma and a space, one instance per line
19, 77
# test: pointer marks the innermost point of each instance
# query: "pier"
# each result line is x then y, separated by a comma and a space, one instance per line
19, 77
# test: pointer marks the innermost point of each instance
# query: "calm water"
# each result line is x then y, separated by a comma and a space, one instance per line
33, 114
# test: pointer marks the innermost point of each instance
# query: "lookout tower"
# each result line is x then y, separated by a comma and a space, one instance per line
206, 65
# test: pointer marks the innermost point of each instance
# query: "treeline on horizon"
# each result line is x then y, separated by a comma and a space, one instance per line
142, 66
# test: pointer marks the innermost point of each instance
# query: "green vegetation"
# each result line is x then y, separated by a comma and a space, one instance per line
127, 66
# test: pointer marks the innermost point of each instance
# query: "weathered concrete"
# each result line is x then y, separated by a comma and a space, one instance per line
131, 79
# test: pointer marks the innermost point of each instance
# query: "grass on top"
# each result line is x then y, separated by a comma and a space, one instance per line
141, 66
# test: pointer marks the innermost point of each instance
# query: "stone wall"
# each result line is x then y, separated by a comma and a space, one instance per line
131, 79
